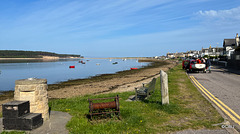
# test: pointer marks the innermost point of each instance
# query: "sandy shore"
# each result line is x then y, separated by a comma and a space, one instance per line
117, 84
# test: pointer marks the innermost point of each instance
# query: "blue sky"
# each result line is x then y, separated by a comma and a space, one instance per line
115, 28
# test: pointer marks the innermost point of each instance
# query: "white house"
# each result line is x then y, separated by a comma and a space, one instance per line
229, 46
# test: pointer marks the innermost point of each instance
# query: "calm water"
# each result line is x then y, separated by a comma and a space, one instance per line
58, 71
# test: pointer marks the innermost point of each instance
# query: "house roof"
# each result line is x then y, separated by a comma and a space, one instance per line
229, 42
219, 49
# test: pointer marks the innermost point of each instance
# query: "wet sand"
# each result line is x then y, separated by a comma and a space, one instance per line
118, 83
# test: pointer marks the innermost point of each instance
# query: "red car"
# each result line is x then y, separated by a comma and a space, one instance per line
184, 64
193, 65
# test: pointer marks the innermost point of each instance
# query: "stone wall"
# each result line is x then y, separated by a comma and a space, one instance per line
35, 91
234, 62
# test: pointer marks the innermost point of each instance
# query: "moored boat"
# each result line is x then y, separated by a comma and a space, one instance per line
71, 66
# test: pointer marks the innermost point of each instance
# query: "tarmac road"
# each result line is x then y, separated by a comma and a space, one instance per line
225, 86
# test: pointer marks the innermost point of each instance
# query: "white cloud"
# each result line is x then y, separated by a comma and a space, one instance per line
232, 14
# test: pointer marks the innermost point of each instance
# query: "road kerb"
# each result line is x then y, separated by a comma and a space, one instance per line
235, 114
213, 99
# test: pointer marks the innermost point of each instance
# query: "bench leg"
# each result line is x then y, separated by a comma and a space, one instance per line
136, 97
148, 94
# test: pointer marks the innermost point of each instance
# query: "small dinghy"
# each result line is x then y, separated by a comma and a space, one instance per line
71, 66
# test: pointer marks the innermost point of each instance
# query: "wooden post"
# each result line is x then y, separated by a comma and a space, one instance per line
164, 87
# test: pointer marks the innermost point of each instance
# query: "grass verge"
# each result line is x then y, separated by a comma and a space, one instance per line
187, 109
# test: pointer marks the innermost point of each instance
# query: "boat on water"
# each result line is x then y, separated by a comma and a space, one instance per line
82, 62
71, 66
115, 63
97, 63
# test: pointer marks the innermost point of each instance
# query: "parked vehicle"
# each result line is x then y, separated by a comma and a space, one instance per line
184, 64
193, 66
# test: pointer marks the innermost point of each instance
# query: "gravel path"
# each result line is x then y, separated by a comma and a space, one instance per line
55, 125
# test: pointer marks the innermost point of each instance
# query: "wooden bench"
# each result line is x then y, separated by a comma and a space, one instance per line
145, 91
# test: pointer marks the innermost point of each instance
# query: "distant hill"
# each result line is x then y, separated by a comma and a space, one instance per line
32, 54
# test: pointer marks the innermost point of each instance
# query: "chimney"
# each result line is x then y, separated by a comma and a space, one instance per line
236, 41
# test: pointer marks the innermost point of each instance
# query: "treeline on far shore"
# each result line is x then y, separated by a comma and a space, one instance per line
31, 54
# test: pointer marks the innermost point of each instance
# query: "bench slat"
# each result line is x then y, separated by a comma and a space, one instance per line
146, 91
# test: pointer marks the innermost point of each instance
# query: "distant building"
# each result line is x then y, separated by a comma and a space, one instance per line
170, 55
229, 45
176, 55
204, 52
228, 50
192, 53
212, 52
179, 55
160, 57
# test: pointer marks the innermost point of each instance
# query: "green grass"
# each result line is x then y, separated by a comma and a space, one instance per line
187, 109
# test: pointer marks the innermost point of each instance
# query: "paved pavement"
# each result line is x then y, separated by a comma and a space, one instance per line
55, 125
202, 131
225, 89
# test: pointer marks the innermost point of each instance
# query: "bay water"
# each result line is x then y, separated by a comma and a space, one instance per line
58, 70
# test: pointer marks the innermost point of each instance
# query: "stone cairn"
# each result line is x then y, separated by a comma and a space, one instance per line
164, 87
35, 91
